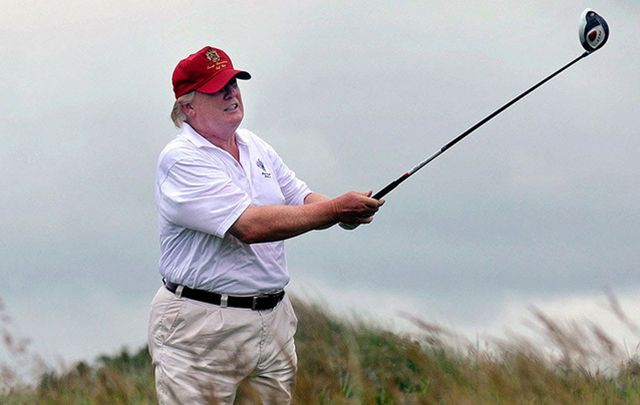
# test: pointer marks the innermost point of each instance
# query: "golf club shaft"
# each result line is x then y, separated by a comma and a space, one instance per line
389, 187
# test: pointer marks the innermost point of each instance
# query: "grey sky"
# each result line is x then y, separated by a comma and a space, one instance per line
540, 206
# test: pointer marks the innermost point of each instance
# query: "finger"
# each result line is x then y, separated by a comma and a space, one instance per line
365, 220
368, 213
359, 217
363, 193
373, 204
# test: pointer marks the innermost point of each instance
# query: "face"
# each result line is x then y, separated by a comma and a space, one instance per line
218, 114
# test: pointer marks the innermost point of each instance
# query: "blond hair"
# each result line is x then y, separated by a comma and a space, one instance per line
177, 115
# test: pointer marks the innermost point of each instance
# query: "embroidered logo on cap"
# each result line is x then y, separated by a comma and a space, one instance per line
265, 173
212, 55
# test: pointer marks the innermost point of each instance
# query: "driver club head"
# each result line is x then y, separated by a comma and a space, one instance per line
593, 30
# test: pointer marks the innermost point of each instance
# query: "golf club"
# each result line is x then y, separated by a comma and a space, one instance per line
593, 32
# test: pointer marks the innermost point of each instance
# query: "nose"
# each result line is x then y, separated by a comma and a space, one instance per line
230, 91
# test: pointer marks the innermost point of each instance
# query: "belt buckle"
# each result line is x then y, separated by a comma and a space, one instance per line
256, 298
254, 303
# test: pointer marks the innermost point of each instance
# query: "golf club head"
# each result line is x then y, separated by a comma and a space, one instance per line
593, 31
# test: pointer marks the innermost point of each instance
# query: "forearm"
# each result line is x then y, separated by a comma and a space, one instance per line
278, 222
315, 198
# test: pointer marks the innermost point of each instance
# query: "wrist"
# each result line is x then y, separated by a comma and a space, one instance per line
334, 210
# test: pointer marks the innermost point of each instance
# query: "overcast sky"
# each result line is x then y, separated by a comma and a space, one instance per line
541, 206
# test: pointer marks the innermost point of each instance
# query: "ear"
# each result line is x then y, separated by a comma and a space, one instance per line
187, 109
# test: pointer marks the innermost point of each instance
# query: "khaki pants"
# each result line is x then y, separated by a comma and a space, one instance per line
202, 352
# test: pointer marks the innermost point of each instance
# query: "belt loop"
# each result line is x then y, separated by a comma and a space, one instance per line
223, 300
179, 291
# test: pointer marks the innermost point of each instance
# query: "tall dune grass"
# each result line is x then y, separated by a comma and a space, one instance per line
355, 362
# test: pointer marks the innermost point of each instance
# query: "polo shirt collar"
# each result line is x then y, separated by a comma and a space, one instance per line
199, 141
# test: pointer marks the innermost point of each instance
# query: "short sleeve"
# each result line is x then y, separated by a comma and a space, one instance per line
197, 194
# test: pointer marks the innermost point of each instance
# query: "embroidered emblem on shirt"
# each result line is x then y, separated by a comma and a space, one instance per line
265, 173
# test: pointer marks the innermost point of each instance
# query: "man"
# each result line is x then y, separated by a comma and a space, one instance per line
226, 202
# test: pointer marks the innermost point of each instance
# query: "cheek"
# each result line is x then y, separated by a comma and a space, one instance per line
240, 105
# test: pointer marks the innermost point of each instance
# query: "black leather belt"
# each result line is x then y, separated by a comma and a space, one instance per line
257, 302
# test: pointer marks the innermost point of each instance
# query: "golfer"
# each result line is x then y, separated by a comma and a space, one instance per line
226, 202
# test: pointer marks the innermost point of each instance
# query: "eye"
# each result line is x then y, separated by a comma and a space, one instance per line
231, 84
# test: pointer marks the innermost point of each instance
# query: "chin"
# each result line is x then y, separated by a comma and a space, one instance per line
236, 122
238, 117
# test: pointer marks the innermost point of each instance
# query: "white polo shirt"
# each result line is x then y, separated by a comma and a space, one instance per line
201, 190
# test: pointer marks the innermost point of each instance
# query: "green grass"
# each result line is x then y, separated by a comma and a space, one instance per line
344, 362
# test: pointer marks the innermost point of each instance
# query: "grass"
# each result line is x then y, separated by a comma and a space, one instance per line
344, 362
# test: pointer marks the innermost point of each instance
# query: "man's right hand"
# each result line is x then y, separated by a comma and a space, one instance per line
356, 207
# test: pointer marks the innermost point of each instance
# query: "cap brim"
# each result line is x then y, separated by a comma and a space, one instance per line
217, 82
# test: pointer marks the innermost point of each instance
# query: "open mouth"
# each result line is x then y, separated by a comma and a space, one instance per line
232, 107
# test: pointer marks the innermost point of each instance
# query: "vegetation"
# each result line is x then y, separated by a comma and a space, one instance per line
344, 362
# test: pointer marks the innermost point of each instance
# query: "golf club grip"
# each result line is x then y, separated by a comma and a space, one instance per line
348, 227
389, 187
386, 190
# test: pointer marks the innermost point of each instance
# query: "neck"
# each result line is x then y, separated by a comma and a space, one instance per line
227, 143
230, 146
225, 140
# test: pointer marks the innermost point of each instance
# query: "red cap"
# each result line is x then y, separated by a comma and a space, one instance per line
206, 71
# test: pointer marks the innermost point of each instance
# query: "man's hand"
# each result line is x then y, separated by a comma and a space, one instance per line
355, 207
